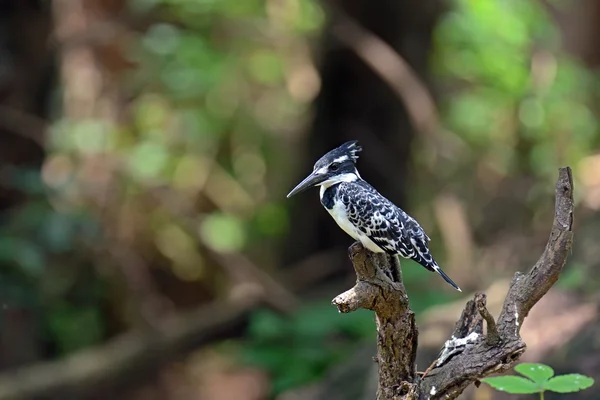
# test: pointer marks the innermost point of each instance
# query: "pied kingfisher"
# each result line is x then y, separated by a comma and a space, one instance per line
363, 213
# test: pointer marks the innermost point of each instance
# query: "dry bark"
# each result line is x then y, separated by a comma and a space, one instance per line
469, 354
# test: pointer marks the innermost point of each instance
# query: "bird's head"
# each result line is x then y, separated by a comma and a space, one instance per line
339, 165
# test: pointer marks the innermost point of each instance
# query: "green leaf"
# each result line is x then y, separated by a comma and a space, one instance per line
512, 384
539, 373
569, 383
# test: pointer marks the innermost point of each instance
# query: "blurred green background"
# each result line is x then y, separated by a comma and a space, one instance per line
148, 145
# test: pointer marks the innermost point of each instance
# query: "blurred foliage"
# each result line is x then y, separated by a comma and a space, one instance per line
221, 81
219, 84
518, 107
521, 106
38, 245
219, 89
300, 349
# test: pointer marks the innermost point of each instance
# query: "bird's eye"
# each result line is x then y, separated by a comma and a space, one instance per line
334, 167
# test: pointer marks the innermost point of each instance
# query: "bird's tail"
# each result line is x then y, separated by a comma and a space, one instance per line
437, 269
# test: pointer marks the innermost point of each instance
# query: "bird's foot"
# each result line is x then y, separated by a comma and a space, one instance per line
424, 374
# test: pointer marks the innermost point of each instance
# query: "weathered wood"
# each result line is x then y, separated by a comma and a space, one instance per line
468, 355
379, 288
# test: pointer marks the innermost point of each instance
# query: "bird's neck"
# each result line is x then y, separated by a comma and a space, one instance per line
332, 183
327, 195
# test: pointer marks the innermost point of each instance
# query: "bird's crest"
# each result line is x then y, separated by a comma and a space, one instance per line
351, 148
346, 152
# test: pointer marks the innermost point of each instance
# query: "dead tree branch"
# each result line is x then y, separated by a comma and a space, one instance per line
379, 288
468, 355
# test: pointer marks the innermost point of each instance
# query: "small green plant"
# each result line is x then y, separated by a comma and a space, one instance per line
538, 379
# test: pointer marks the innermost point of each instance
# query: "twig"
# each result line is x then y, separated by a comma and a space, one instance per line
431, 366
492, 336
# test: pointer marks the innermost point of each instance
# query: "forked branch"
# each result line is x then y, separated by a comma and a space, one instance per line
468, 355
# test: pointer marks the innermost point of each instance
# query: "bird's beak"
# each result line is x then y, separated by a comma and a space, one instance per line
311, 180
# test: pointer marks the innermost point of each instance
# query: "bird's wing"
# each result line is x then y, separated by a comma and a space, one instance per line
388, 226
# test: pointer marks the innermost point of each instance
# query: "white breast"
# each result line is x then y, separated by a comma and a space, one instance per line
338, 212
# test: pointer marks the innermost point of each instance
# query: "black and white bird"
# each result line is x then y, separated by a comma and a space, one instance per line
363, 213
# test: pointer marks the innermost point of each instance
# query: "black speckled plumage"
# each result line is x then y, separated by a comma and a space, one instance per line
387, 225
392, 229
366, 215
